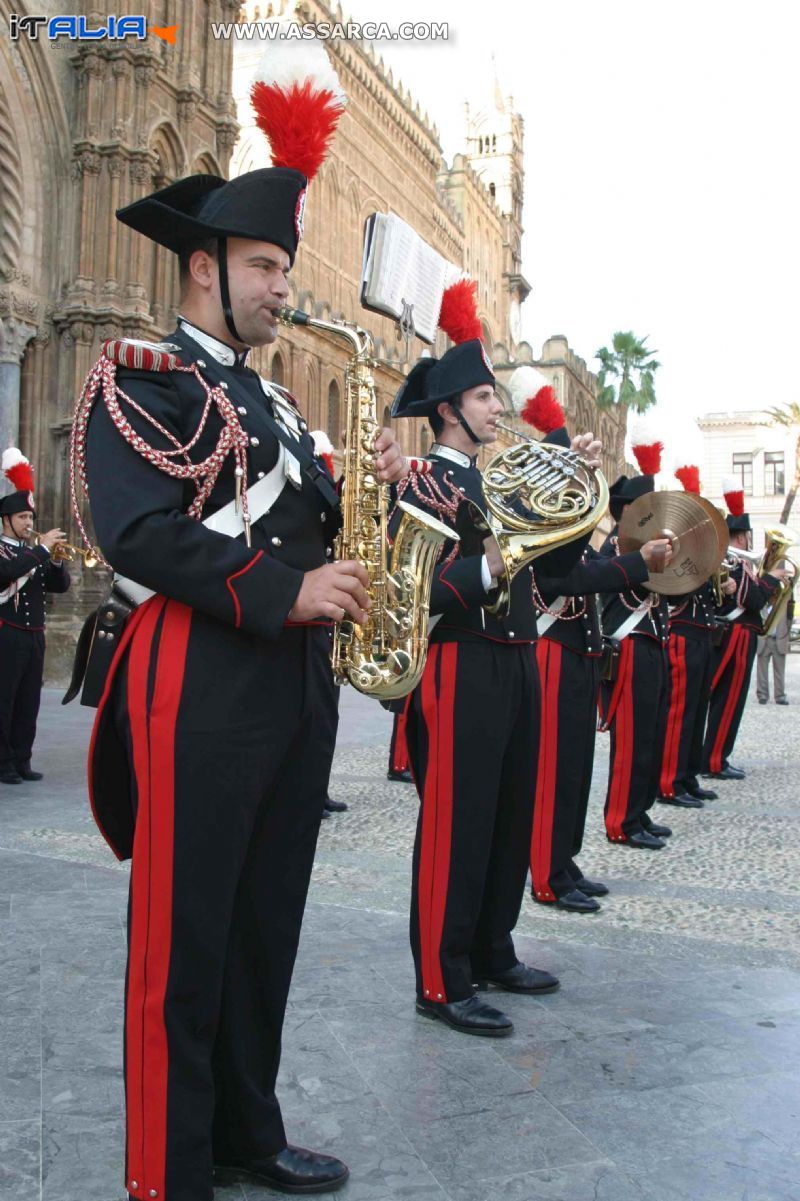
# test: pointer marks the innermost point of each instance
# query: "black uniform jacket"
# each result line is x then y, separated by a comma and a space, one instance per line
579, 629
139, 512
25, 608
617, 606
458, 594
756, 593
692, 615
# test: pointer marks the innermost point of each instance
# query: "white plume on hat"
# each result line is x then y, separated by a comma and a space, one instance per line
12, 458
525, 382
297, 61
322, 443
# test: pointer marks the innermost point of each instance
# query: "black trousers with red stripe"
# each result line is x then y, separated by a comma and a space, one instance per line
569, 682
688, 694
732, 664
472, 731
230, 740
21, 670
398, 750
634, 708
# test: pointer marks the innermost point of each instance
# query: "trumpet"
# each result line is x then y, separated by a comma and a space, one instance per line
65, 552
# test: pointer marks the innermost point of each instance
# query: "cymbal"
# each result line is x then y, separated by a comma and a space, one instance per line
723, 533
685, 519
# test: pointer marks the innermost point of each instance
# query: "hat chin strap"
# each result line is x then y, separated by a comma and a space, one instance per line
462, 421
224, 290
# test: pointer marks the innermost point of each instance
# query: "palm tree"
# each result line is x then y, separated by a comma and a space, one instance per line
630, 357
788, 414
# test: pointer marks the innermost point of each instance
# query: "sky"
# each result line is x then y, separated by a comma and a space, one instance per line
662, 178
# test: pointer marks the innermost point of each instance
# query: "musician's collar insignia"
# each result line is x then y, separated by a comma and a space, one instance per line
455, 456
221, 351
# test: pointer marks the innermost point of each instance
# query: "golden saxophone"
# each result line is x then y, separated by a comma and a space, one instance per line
539, 497
385, 657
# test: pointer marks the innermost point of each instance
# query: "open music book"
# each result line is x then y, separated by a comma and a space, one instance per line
401, 271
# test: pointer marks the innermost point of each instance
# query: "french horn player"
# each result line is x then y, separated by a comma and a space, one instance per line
472, 722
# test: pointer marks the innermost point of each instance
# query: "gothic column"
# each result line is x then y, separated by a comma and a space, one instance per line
14, 337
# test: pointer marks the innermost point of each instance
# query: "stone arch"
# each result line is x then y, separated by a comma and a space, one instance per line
166, 145
249, 153
206, 164
277, 370
334, 413
169, 163
305, 301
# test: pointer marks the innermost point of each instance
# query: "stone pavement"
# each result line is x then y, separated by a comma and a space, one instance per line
665, 1068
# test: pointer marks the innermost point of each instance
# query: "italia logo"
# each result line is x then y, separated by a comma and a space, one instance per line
299, 214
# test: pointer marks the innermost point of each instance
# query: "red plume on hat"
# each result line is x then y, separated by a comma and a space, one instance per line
17, 470
298, 102
534, 400
733, 492
647, 445
458, 316
689, 476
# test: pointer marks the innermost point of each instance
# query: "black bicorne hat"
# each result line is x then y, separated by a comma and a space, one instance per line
265, 205
432, 381
740, 524
625, 489
17, 502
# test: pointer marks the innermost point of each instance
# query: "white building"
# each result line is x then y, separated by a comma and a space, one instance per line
759, 452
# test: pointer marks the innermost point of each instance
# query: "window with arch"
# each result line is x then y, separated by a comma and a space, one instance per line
334, 411
277, 374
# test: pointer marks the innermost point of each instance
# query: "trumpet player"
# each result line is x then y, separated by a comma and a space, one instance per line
27, 572
745, 593
473, 721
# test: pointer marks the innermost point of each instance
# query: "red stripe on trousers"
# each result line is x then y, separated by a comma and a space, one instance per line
400, 747
726, 656
677, 710
132, 625
153, 739
548, 656
622, 764
437, 815
739, 635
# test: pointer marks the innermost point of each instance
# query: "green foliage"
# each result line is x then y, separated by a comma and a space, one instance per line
627, 373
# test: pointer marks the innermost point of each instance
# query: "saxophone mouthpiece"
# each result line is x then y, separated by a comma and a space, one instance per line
292, 316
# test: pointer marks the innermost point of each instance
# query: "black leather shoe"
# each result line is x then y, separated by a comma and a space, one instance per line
591, 888
325, 812
10, 777
335, 806
783, 701
293, 1170
645, 840
400, 777
577, 902
473, 1016
25, 773
727, 773
702, 794
762, 700
682, 800
520, 978
658, 831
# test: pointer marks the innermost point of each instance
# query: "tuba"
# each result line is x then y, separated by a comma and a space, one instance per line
777, 540
385, 657
539, 497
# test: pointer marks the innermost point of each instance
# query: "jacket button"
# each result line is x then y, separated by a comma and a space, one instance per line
329, 551
223, 385
276, 541
254, 442
323, 516
261, 475
241, 409
303, 426
511, 633
201, 363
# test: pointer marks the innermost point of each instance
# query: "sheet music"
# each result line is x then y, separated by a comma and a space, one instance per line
398, 266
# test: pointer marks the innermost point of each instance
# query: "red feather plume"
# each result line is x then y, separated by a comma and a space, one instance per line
458, 316
689, 476
300, 123
735, 503
543, 411
649, 457
21, 476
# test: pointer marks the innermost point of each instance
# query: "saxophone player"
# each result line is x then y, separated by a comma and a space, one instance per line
212, 746
472, 722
